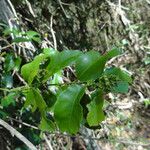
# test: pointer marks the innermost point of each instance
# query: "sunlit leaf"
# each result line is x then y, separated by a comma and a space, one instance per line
90, 65
60, 60
30, 70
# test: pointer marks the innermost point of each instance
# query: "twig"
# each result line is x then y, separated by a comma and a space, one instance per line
5, 47
119, 3
33, 50
130, 142
14, 89
17, 134
23, 123
124, 141
30, 8
20, 78
47, 141
12, 7
60, 3
53, 34
148, 2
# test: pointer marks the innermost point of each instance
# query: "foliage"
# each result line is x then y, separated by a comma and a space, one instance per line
65, 107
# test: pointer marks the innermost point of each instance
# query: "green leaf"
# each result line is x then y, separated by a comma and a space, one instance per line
121, 87
49, 51
9, 62
49, 98
34, 36
30, 100
59, 60
8, 31
30, 70
87, 66
122, 75
8, 100
68, 111
46, 125
12, 63
7, 80
96, 115
21, 39
3, 114
17, 63
35, 99
90, 65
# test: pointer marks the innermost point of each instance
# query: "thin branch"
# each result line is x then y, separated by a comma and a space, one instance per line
47, 141
23, 123
30, 8
17, 134
60, 3
120, 140
14, 89
8, 46
20, 78
119, 3
53, 34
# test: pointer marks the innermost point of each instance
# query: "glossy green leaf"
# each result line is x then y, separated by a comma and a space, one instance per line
95, 107
68, 111
90, 65
87, 66
35, 99
59, 60
30, 70
46, 125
